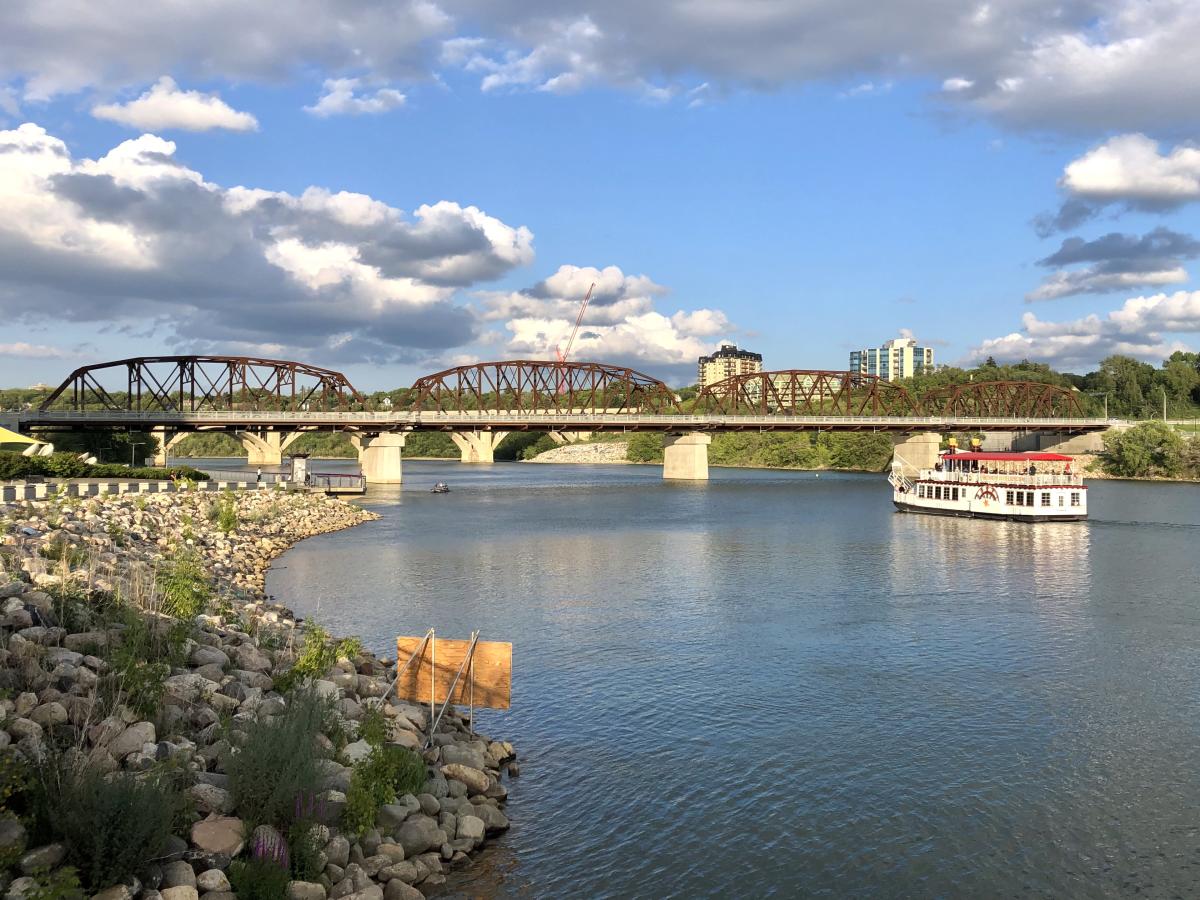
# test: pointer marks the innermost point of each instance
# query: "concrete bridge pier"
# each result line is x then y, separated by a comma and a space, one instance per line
265, 448
1058, 442
381, 456
569, 437
166, 440
685, 456
916, 451
478, 446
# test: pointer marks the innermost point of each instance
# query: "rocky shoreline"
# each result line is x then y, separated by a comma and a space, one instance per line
142, 668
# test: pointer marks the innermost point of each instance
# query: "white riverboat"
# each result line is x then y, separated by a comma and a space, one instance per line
1024, 487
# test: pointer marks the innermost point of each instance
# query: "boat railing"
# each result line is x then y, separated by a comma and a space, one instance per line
1041, 478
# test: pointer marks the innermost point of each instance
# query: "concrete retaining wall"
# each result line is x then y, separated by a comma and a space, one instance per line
18, 490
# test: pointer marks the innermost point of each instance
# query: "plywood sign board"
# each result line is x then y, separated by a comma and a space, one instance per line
493, 672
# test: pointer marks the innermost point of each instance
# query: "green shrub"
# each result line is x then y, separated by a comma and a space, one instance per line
644, 448
184, 586
259, 878
55, 884
227, 515
61, 550
373, 727
277, 763
305, 849
1152, 448
317, 656
69, 465
112, 825
142, 662
376, 780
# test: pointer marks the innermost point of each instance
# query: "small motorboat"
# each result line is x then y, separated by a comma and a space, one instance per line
440, 488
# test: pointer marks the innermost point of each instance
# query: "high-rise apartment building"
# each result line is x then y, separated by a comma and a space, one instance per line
897, 358
725, 363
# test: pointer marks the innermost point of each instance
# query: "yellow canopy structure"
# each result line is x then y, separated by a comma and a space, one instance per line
10, 440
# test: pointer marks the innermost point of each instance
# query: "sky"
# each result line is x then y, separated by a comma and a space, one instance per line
395, 188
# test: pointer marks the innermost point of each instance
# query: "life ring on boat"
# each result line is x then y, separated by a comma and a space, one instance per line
987, 492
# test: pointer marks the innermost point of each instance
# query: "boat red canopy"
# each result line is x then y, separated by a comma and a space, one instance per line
981, 456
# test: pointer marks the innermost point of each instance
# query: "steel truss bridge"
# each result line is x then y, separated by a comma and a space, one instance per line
202, 393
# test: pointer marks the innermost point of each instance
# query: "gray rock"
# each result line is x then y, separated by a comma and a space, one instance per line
463, 754
305, 890
476, 780
337, 851
402, 871
131, 740
391, 816
47, 857
429, 804
212, 880
23, 729
116, 892
182, 892
219, 835
12, 838
58, 655
418, 834
493, 819
208, 656
371, 892
357, 751
397, 890
177, 874
471, 828
394, 852
211, 799
49, 714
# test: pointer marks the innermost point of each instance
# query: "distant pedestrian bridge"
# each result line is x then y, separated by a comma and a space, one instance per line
267, 403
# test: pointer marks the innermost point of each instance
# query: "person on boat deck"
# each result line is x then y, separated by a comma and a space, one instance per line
1032, 469
937, 467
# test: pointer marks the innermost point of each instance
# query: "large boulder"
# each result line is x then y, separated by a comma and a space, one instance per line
471, 828
219, 835
214, 880
131, 740
211, 799
476, 780
178, 874
208, 656
464, 754
418, 834
306, 890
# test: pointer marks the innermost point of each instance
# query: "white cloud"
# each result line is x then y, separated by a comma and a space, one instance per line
136, 234
621, 324
166, 106
1139, 328
1076, 65
61, 46
339, 98
1130, 169
1094, 281
33, 351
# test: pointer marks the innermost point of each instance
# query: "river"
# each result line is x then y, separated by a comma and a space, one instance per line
773, 685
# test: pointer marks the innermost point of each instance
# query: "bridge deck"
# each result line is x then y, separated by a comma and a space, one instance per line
372, 422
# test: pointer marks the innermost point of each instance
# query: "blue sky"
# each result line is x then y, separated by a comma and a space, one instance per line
801, 178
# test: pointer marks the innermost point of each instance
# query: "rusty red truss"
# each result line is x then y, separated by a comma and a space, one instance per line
196, 383
1008, 399
543, 386
806, 392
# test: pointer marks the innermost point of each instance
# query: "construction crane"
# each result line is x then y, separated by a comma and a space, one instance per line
564, 354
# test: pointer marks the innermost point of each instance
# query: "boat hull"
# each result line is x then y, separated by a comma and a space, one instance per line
979, 514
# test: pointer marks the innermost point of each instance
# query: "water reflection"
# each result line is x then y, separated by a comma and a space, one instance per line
774, 685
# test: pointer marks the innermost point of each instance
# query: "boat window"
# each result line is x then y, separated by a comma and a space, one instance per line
954, 493
1045, 498
1060, 499
1008, 498
937, 492
1074, 498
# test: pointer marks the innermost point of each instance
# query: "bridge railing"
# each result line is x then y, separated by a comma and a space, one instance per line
565, 420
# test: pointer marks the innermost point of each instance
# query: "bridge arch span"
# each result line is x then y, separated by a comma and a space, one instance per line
1009, 399
807, 392
197, 383
542, 386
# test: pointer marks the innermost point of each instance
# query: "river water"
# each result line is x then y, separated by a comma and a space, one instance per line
773, 685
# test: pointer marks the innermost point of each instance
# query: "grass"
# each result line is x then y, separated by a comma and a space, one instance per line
278, 762
377, 779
